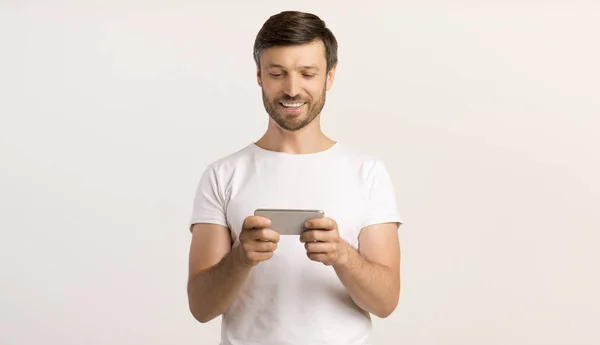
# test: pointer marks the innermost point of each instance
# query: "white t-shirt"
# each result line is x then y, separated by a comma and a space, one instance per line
289, 299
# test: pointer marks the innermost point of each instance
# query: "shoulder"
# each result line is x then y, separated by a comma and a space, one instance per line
229, 163
218, 174
367, 164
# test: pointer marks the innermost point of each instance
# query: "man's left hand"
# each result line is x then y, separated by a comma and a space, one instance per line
323, 242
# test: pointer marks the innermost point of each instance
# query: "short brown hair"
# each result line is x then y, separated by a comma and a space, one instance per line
291, 28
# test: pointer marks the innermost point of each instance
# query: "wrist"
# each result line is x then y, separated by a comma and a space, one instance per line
343, 260
239, 264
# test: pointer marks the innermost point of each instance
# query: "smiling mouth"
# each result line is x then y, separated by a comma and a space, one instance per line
292, 105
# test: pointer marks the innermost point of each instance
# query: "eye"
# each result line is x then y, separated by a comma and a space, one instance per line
275, 75
308, 76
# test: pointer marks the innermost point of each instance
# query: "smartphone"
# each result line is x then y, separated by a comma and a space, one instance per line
288, 221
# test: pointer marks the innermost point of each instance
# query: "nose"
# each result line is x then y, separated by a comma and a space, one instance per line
291, 87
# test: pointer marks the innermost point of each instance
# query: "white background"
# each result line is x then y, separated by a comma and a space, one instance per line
486, 115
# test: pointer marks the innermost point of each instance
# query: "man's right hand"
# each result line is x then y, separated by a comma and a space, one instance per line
257, 241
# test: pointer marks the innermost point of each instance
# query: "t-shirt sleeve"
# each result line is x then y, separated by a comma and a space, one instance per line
381, 197
208, 205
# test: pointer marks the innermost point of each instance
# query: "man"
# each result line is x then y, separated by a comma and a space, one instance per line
319, 287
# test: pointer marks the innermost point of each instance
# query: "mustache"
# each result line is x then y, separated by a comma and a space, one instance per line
292, 99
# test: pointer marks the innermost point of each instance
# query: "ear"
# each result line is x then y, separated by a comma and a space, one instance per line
330, 77
258, 78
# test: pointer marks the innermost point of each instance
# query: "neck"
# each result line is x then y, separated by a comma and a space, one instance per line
309, 139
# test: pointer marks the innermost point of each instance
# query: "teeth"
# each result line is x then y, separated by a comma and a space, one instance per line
292, 105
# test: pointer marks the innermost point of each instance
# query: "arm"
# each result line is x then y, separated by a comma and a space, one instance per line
218, 271
372, 274
216, 274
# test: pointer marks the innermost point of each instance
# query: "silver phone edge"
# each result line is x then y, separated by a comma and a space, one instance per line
283, 210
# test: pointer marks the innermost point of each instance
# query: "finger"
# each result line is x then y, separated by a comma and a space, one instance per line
263, 247
317, 236
264, 235
320, 247
321, 223
260, 256
256, 222
320, 257
310, 236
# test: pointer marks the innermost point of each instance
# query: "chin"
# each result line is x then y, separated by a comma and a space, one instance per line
291, 126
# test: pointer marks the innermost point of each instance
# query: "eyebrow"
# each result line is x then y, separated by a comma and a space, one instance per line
313, 67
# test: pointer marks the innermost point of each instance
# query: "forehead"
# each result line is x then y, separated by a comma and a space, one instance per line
309, 54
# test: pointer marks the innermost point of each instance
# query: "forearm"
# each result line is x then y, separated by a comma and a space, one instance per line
373, 287
212, 291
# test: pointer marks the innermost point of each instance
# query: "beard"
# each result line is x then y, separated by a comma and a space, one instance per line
294, 122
